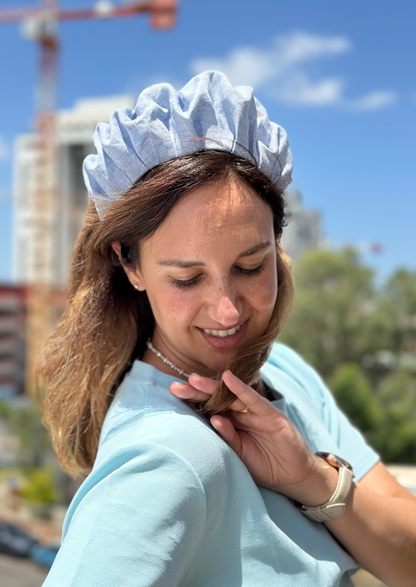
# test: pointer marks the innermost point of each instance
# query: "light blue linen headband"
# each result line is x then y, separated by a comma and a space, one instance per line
207, 113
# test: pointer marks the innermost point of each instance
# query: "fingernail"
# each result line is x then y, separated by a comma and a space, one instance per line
213, 425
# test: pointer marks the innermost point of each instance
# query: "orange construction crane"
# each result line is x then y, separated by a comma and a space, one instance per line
41, 25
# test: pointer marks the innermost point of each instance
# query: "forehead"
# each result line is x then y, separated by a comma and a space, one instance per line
225, 213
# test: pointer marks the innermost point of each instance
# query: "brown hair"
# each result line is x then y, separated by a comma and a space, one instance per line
107, 322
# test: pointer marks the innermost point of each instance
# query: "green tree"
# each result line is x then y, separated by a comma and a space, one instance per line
401, 290
362, 339
333, 295
40, 486
25, 422
395, 435
390, 326
353, 393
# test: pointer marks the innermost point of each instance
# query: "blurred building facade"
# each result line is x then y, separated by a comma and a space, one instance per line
304, 227
75, 128
12, 339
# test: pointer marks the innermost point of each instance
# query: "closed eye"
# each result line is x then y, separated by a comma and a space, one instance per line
250, 272
186, 282
240, 270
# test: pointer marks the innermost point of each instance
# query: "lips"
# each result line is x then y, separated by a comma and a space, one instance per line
227, 340
222, 333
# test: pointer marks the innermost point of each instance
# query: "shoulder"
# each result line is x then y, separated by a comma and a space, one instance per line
154, 445
141, 506
289, 361
146, 425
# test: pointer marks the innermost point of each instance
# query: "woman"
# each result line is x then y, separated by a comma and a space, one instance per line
180, 285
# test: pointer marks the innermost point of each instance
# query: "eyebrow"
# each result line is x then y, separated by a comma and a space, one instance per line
188, 264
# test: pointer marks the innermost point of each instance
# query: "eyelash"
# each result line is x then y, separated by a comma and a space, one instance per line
194, 280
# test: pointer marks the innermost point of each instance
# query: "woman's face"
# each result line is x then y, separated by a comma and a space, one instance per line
210, 275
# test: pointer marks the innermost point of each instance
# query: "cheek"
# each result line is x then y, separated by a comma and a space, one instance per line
173, 305
264, 293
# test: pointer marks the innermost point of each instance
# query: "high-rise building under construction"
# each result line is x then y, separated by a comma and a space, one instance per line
75, 129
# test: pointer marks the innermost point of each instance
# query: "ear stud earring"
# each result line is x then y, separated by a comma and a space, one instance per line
136, 286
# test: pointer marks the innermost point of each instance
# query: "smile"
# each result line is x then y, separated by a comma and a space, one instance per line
222, 333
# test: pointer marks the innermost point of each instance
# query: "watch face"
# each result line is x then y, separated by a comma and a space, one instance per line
334, 460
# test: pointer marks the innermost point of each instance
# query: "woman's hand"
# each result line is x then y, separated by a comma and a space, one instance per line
277, 457
267, 442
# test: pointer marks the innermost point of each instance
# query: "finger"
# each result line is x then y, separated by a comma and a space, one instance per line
255, 402
237, 406
226, 430
251, 421
187, 392
209, 386
241, 421
204, 384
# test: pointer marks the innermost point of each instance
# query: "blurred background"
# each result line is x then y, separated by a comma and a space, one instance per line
337, 77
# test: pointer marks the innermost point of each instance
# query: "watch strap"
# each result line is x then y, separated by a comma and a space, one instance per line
336, 504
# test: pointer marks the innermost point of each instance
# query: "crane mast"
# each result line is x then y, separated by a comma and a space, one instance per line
44, 197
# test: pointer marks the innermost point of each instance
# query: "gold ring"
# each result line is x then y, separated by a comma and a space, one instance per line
245, 410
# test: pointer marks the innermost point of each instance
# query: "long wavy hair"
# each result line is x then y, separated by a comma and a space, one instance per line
106, 323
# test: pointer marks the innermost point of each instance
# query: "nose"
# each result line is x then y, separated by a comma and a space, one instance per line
224, 307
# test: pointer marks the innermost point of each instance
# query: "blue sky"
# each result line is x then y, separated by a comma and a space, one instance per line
338, 76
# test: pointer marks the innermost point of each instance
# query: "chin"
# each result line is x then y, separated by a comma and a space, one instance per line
221, 361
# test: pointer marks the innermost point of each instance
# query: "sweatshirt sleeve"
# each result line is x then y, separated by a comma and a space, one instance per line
136, 521
350, 441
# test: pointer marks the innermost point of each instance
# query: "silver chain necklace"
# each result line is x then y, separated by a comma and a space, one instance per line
175, 367
166, 360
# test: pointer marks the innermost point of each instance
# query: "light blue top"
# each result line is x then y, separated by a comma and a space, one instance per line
169, 503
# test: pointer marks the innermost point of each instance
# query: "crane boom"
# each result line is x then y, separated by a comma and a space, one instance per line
162, 13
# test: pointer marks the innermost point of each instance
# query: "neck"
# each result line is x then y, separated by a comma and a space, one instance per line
154, 357
166, 361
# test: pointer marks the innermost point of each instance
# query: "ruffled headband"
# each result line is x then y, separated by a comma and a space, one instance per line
207, 113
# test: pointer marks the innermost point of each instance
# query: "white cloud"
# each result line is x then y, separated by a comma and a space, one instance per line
137, 83
283, 71
244, 66
256, 67
299, 89
373, 101
4, 151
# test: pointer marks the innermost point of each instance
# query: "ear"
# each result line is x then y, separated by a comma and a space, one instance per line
117, 249
133, 274
138, 280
